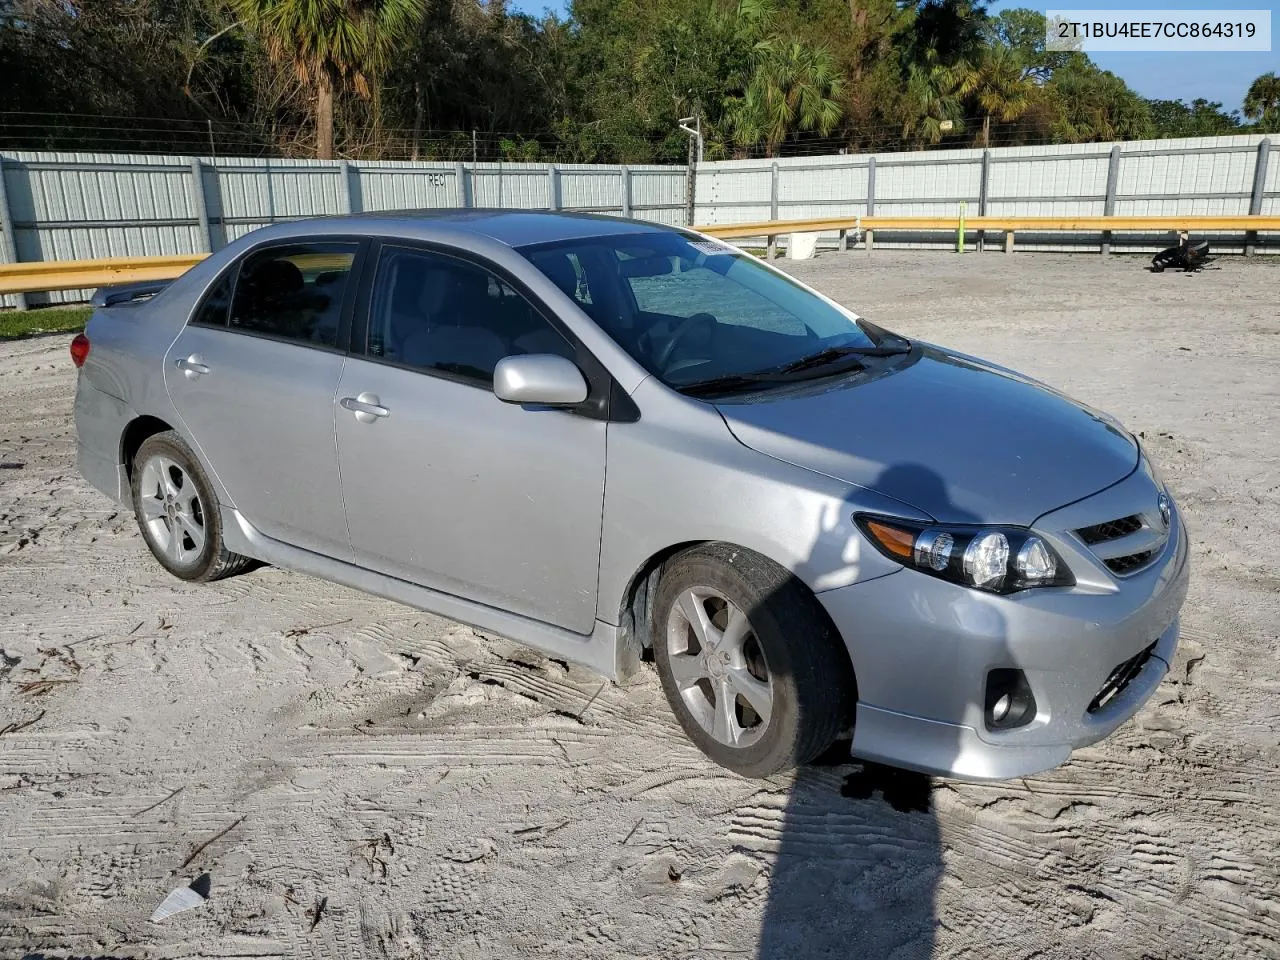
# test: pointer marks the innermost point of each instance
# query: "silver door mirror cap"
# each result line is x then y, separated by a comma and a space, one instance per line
539, 378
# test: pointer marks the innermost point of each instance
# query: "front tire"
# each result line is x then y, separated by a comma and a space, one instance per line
752, 667
177, 512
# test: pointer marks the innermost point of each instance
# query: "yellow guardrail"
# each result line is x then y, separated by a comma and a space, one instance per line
771, 229
997, 224
91, 274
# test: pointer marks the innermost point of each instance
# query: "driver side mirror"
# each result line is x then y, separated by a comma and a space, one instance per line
543, 379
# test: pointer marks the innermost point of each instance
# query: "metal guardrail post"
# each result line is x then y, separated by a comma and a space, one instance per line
982, 196
871, 201
345, 204
8, 239
462, 194
625, 186
200, 205
1109, 202
553, 188
1259, 188
773, 206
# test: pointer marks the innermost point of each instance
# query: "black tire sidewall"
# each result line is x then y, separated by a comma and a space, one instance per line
171, 445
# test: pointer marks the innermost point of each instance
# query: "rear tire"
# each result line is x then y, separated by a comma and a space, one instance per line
751, 665
178, 513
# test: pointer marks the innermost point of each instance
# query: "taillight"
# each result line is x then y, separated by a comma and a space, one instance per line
79, 349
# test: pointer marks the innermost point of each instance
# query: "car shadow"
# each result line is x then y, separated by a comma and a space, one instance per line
859, 859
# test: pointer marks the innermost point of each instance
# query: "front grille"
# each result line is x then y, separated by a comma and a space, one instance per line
1111, 530
1128, 564
1120, 677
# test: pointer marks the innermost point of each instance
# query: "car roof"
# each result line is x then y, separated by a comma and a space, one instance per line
515, 228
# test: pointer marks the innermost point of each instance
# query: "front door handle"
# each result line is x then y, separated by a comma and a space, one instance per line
193, 366
367, 407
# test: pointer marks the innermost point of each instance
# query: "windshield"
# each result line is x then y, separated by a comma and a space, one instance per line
696, 312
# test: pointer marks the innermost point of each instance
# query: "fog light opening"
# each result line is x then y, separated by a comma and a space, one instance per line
1009, 700
1001, 709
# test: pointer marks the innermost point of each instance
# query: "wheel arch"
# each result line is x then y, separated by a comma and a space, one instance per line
636, 602
135, 434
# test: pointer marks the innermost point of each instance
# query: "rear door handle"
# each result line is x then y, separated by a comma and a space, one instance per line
193, 366
367, 407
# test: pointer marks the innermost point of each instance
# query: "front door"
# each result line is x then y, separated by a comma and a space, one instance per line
254, 377
447, 486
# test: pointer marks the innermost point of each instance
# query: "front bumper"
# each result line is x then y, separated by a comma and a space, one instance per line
922, 648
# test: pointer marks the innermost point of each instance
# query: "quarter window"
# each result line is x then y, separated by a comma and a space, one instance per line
294, 292
433, 312
213, 310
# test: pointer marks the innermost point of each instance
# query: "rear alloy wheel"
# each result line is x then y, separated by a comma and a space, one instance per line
178, 513
750, 664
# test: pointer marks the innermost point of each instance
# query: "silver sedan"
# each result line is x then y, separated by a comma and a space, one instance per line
611, 441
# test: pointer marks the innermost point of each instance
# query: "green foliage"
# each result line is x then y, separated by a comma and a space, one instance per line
384, 78
1094, 105
330, 43
1200, 118
17, 324
1262, 102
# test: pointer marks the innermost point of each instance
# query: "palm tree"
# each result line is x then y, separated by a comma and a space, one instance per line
933, 97
1262, 102
330, 44
1000, 86
792, 87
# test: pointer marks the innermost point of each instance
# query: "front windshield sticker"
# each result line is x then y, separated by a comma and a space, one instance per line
711, 248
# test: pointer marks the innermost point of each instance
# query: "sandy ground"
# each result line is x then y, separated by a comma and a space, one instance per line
377, 782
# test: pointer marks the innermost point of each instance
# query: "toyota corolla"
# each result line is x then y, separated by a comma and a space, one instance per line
615, 441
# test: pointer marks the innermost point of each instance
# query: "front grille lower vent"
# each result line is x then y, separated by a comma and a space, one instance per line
1123, 675
1111, 530
1134, 561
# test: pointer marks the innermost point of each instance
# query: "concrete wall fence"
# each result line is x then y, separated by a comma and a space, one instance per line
56, 206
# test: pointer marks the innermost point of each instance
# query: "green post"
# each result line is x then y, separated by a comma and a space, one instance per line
960, 229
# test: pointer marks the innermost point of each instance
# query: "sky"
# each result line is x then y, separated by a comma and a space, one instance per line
1223, 77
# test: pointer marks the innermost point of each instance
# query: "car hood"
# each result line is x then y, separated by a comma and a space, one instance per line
963, 440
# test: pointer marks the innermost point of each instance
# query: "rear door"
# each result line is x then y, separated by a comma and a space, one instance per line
254, 377
447, 486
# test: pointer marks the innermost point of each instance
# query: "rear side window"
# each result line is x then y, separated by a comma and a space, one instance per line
294, 292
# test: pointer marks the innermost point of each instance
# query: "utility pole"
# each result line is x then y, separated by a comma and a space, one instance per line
695, 158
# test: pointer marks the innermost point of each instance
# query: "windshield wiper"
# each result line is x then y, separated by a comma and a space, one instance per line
833, 354
792, 372
734, 381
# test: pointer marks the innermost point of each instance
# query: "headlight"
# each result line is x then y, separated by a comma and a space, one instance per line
998, 559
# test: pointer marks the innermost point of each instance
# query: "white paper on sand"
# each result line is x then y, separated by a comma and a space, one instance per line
183, 898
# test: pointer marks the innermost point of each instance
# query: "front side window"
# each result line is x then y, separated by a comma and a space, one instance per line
434, 312
294, 292
693, 311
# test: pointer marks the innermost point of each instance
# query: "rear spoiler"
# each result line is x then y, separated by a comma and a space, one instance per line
127, 293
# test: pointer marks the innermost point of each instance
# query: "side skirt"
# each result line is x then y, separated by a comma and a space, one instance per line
600, 651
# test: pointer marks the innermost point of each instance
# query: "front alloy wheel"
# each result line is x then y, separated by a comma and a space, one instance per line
718, 667
752, 667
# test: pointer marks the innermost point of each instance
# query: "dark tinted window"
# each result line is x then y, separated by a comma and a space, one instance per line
437, 313
213, 309
294, 292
